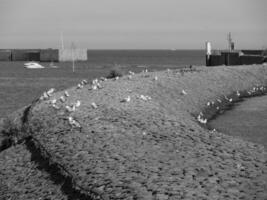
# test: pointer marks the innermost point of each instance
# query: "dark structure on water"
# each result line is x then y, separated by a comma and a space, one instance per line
42, 55
234, 57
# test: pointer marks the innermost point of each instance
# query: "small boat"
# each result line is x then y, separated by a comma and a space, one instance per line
33, 65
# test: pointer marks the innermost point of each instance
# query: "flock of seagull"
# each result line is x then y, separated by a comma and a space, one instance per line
96, 84
201, 118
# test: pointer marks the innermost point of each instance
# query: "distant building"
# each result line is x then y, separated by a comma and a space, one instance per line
49, 55
42, 55
242, 57
5, 55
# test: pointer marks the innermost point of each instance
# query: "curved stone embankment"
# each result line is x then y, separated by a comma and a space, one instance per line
143, 148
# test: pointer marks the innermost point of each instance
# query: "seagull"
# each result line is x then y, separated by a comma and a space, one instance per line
50, 91
95, 81
94, 105
116, 78
184, 92
77, 104
208, 104
203, 121
66, 94
200, 119
44, 96
53, 101
94, 87
99, 86
70, 108
62, 99
131, 73
84, 82
217, 107
55, 106
103, 78
237, 93
74, 122
127, 99
230, 100
155, 78
129, 77
219, 100
79, 86
146, 70
145, 98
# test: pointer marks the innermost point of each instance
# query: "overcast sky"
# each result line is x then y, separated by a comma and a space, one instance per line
132, 24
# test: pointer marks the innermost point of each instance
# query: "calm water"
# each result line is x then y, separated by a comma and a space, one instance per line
19, 86
150, 57
247, 120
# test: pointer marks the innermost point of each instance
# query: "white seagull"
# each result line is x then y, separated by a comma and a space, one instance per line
94, 105
66, 94
53, 101
70, 108
50, 92
184, 92
55, 106
127, 99
79, 86
62, 99
201, 119
74, 122
77, 104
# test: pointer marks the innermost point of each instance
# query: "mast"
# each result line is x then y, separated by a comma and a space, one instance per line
62, 41
229, 39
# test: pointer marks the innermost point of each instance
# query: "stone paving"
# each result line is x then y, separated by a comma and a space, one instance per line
144, 148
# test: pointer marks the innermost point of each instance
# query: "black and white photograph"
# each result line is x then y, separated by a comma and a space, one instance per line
133, 100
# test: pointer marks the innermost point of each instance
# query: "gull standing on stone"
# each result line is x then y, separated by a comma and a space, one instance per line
184, 92
127, 99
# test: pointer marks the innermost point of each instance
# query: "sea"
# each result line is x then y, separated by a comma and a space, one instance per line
148, 57
247, 120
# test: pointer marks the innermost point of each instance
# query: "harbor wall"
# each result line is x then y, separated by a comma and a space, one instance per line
49, 55
43, 55
5, 55
234, 58
248, 60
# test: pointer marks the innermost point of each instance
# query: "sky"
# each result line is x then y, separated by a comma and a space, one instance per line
132, 24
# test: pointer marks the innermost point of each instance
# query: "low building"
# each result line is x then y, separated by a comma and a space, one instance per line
49, 55
5, 55
25, 55
235, 58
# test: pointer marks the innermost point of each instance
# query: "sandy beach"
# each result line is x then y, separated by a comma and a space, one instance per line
139, 137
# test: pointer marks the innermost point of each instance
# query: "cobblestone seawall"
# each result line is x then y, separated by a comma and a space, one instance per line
143, 136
